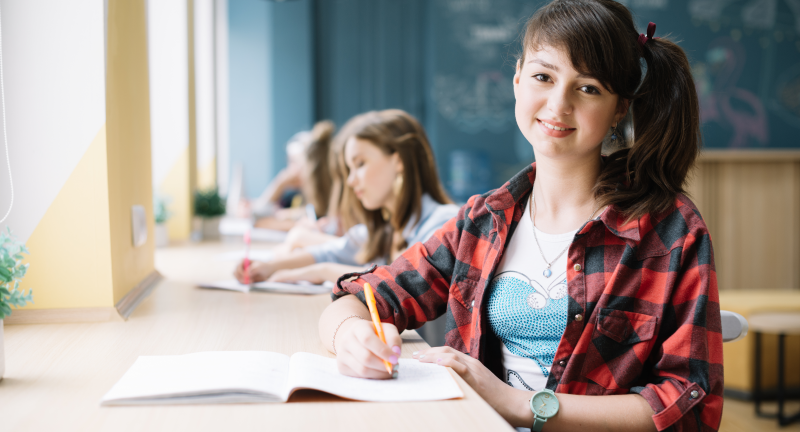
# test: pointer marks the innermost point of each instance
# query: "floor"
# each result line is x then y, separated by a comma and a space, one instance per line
740, 416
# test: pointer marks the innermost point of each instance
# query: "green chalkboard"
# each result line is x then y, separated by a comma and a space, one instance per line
745, 56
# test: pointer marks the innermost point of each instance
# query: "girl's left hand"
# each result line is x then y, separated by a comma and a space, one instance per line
505, 399
315, 273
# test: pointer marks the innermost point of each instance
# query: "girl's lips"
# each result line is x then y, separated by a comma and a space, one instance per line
552, 132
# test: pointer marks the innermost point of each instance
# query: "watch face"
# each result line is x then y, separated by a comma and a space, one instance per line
544, 404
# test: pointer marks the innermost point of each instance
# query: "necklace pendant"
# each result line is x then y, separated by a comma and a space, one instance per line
547, 272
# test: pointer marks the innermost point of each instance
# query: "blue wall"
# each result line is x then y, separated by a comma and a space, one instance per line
271, 84
444, 62
450, 64
250, 92
369, 56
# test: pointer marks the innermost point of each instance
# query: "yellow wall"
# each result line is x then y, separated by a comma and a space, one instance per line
128, 141
176, 186
70, 249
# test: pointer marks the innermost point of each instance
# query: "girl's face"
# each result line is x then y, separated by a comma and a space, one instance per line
372, 173
562, 113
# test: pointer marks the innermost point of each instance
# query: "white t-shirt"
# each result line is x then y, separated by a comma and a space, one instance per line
526, 309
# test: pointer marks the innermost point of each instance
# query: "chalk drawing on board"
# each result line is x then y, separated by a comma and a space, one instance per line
755, 14
707, 10
722, 101
483, 103
760, 14
651, 4
786, 102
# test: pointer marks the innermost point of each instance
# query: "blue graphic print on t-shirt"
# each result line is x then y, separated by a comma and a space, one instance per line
529, 318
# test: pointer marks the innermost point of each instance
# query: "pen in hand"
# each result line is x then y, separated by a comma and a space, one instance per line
376, 321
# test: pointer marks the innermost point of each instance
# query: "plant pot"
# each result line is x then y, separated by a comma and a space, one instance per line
162, 235
205, 228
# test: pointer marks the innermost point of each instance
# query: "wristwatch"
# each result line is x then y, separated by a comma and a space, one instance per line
544, 405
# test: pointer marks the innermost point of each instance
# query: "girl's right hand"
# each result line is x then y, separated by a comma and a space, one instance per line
259, 271
360, 352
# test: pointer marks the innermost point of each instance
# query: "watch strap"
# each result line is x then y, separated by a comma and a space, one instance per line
538, 423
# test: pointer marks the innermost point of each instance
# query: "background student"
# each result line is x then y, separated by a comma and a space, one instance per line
583, 275
392, 198
305, 180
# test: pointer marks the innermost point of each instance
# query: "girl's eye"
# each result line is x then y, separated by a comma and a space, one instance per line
590, 89
541, 77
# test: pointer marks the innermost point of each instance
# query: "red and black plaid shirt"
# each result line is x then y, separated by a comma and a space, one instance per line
643, 302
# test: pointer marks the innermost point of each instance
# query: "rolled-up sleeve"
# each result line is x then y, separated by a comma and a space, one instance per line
686, 388
415, 287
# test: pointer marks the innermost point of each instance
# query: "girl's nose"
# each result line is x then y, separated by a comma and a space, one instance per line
351, 178
558, 101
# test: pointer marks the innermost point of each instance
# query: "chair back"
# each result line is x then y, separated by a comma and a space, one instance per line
734, 326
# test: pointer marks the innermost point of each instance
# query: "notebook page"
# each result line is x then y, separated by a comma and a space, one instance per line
416, 381
301, 287
226, 374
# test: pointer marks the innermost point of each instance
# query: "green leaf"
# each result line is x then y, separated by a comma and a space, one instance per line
20, 271
5, 310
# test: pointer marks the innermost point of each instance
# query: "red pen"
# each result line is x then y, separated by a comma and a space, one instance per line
246, 262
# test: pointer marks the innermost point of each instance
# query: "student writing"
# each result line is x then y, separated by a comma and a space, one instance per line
586, 280
392, 199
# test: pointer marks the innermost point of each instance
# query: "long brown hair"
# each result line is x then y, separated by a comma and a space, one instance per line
318, 170
392, 131
601, 39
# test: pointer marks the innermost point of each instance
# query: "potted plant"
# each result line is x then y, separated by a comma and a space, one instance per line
209, 208
11, 272
161, 215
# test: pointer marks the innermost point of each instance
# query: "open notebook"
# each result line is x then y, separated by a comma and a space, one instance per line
262, 376
276, 287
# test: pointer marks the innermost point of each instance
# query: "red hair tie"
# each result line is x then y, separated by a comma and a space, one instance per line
651, 30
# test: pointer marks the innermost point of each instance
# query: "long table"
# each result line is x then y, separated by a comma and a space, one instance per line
57, 373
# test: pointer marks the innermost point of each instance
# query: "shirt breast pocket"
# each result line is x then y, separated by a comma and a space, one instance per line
621, 343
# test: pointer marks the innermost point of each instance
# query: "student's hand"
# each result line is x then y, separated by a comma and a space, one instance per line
498, 394
315, 273
259, 271
360, 352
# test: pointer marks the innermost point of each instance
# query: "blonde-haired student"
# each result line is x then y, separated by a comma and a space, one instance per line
306, 179
581, 295
392, 198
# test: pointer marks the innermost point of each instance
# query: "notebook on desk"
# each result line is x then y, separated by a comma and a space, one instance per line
276, 287
262, 376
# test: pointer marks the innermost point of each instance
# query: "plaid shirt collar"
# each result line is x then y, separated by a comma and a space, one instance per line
517, 189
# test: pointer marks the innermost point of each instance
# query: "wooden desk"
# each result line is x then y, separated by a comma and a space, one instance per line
57, 373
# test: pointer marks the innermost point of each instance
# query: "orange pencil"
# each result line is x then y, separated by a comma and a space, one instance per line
376, 319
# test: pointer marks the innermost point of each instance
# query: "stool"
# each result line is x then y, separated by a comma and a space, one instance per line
782, 324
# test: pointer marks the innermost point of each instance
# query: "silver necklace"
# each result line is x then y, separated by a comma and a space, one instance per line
547, 272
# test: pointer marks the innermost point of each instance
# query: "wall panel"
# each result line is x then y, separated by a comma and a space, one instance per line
751, 204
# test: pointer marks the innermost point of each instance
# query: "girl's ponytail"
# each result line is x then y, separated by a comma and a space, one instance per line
646, 177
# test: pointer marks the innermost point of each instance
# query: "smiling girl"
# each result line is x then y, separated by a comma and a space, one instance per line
581, 295
392, 199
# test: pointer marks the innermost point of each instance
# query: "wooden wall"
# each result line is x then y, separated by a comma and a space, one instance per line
751, 203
